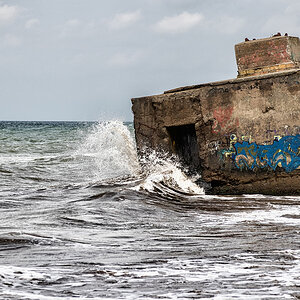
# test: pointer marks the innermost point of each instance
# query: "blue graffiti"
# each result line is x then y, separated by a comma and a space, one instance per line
284, 153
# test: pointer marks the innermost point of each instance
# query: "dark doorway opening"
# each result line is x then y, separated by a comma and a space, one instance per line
184, 144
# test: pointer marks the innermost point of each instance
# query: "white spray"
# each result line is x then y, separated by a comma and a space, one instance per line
162, 168
112, 150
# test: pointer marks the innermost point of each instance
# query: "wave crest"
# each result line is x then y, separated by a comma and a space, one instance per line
111, 152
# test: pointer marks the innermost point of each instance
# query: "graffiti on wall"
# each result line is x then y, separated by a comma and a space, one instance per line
229, 152
284, 153
285, 130
214, 146
224, 121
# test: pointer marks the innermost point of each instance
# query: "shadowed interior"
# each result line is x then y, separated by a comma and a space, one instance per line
184, 144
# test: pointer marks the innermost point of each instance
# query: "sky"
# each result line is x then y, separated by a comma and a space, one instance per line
85, 59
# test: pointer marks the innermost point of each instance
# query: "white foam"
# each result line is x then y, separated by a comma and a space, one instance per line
163, 169
10, 272
32, 296
276, 214
14, 276
203, 272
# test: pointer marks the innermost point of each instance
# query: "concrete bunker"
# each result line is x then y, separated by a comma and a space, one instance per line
242, 134
184, 143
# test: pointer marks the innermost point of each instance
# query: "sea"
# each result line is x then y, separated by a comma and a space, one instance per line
82, 217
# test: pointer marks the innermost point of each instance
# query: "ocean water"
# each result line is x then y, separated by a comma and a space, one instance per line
81, 218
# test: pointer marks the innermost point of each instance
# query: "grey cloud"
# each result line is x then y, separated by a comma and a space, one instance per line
122, 20
8, 13
85, 59
178, 23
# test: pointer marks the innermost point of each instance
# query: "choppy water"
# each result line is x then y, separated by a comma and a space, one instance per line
79, 218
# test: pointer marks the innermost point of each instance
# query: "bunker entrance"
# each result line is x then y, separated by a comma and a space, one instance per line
184, 144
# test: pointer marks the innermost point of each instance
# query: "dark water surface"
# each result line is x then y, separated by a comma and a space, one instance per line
81, 219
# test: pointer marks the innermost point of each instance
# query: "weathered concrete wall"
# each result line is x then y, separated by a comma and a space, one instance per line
248, 130
267, 55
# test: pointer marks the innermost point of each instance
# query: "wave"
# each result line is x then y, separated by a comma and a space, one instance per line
111, 151
165, 173
101, 154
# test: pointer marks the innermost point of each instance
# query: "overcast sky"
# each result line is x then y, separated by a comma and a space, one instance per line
85, 59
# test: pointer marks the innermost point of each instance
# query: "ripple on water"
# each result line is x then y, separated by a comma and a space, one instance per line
80, 218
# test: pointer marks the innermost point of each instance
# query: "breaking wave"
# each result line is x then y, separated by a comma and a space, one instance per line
164, 171
111, 151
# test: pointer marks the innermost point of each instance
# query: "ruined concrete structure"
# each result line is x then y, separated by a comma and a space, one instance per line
243, 134
270, 55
